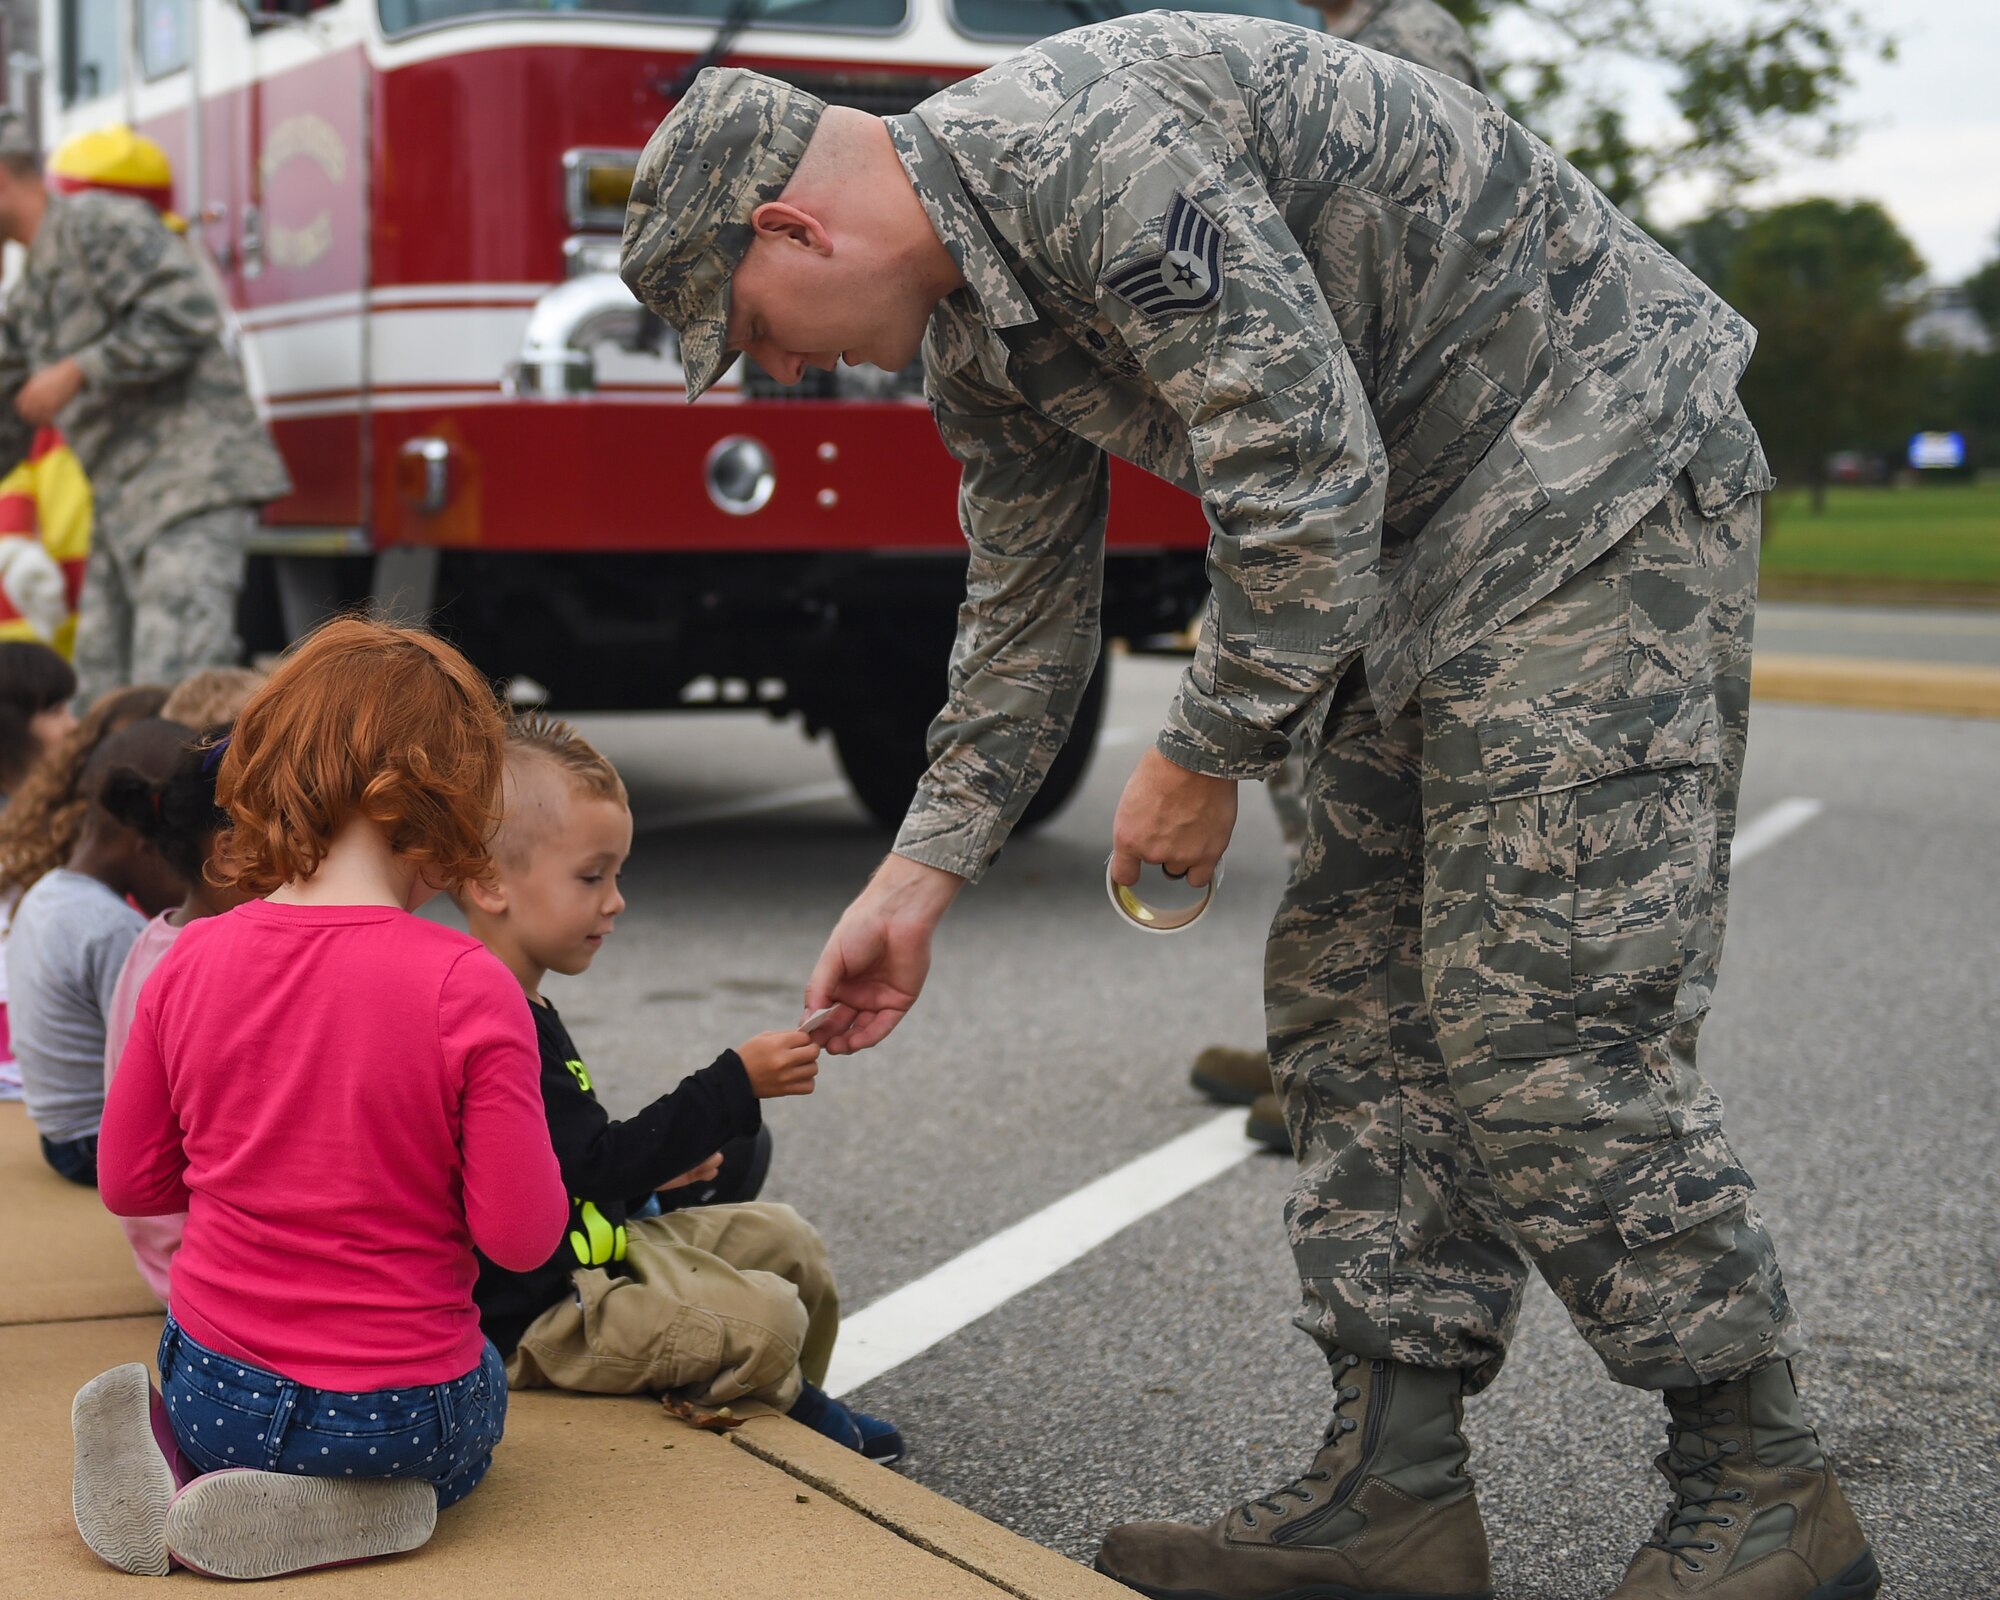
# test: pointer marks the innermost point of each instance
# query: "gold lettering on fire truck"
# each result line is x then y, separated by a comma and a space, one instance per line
302, 138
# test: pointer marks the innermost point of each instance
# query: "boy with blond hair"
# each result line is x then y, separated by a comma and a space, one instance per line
213, 695
717, 1304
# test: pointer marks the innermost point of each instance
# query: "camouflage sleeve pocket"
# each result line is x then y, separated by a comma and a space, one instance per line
1729, 463
1593, 857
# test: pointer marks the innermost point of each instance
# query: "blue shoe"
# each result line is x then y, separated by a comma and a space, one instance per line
820, 1412
880, 1441
868, 1436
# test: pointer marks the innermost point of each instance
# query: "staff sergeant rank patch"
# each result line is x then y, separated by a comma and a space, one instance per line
1185, 276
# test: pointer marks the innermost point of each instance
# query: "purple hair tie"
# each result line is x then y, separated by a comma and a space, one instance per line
214, 757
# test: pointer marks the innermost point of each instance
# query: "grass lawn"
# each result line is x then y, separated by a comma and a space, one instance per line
1937, 537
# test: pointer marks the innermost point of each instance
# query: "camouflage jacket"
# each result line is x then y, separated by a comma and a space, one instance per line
1416, 30
163, 425
1417, 368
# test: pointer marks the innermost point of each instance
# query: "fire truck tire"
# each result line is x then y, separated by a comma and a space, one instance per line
882, 754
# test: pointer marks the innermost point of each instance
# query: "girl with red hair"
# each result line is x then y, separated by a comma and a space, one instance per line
344, 1098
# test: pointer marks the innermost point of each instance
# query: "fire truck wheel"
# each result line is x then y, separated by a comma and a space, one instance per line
882, 754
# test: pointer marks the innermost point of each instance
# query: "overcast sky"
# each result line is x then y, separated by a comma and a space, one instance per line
1927, 144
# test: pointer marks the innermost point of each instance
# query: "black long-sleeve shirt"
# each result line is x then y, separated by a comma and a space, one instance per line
610, 1168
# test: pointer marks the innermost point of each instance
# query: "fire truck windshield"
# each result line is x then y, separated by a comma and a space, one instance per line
1035, 19
403, 16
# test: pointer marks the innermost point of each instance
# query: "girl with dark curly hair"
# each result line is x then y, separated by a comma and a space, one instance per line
178, 816
36, 685
42, 819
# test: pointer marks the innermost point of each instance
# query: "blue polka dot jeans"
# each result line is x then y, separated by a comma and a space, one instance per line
227, 1413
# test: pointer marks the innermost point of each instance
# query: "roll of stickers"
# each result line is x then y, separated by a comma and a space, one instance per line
1158, 903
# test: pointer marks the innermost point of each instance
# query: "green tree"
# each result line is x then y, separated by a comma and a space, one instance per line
1827, 286
1747, 81
1983, 290
1974, 397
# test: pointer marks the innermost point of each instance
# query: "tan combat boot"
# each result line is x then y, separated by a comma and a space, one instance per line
1267, 1124
1757, 1514
1234, 1077
1386, 1510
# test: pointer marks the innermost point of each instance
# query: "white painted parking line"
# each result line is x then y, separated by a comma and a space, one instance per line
908, 1321
1768, 827
913, 1318
750, 805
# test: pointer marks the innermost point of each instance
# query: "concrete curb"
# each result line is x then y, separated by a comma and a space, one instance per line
1868, 684
941, 1527
591, 1495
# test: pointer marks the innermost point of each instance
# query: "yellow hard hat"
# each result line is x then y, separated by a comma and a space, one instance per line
115, 158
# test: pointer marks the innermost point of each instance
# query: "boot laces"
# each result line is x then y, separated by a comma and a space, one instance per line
1297, 1489
1698, 1478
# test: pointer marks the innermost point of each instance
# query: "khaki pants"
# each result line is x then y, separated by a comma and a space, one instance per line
717, 1305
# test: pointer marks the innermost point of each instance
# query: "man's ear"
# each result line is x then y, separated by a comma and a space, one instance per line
787, 224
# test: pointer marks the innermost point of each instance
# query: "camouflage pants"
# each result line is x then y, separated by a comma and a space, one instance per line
1486, 980
1287, 789
167, 608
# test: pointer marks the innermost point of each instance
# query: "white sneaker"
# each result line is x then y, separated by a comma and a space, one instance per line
123, 1481
242, 1523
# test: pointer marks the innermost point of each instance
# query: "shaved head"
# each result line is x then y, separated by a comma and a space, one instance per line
845, 264
548, 763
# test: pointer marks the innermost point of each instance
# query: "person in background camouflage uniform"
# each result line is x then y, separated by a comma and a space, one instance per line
1423, 33
1484, 512
112, 332
1414, 30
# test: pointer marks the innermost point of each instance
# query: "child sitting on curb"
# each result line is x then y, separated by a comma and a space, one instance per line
343, 1099
717, 1305
212, 695
43, 810
178, 816
69, 939
35, 689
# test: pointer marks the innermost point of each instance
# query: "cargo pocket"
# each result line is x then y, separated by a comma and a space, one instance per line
1695, 1291
1679, 1186
1593, 853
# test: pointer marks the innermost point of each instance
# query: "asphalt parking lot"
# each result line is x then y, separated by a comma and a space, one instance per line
1157, 1374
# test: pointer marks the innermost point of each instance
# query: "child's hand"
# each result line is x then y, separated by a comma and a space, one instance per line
700, 1173
780, 1063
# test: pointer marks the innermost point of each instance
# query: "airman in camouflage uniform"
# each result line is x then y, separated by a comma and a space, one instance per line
113, 309
1484, 511
1423, 33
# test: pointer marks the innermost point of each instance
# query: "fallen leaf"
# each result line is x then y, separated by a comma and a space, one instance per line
708, 1421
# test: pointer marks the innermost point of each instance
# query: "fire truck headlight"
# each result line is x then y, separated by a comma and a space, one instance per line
596, 185
423, 474
741, 475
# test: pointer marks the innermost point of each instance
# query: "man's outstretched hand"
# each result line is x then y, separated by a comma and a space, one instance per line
875, 963
1177, 819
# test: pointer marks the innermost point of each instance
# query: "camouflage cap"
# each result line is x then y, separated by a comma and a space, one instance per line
16, 138
731, 145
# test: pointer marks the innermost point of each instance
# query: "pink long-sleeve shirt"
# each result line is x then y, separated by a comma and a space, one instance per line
344, 1100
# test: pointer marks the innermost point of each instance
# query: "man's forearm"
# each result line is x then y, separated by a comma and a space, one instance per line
906, 887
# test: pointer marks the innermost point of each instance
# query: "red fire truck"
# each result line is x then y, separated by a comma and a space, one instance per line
414, 206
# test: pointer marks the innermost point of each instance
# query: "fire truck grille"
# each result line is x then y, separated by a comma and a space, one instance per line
884, 94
